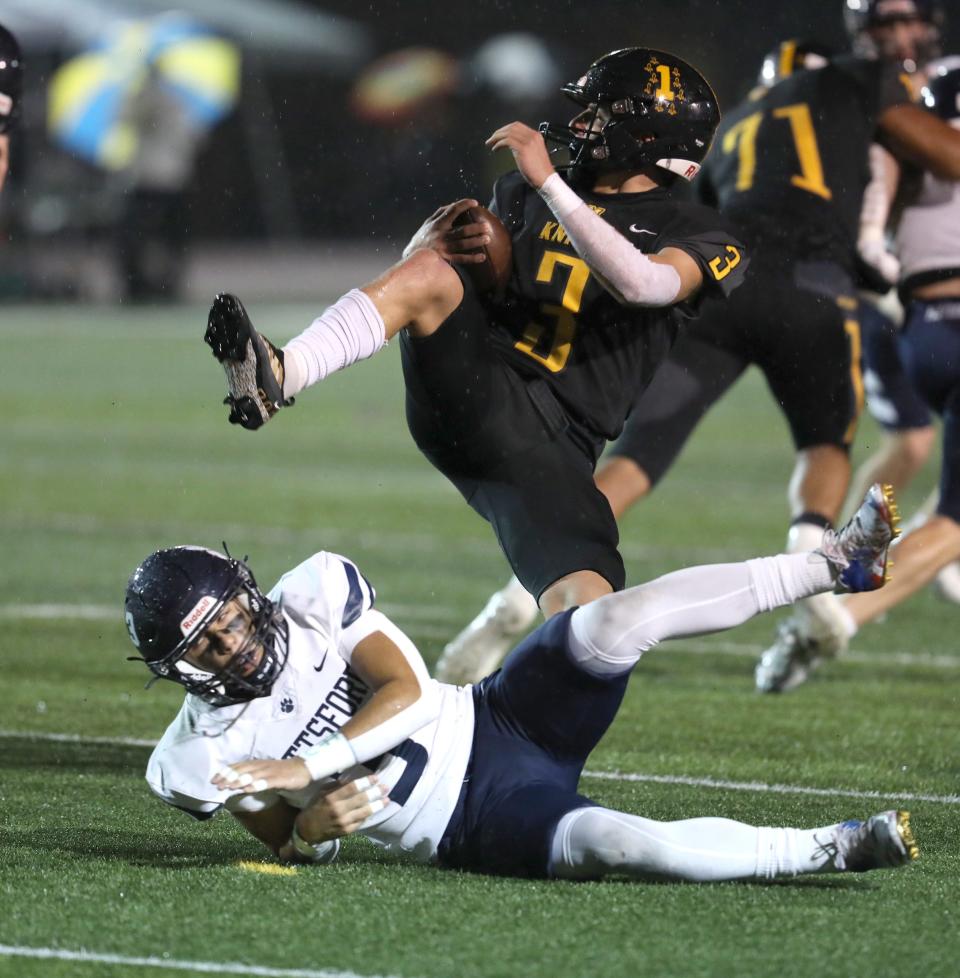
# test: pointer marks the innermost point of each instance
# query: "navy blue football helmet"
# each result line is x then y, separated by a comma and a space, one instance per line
175, 595
941, 94
860, 16
648, 108
11, 80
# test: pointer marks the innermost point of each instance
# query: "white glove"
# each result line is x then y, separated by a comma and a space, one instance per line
873, 251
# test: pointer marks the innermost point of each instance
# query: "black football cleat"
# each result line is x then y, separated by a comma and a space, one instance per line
253, 365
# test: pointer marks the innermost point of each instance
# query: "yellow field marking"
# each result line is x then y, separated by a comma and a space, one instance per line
270, 869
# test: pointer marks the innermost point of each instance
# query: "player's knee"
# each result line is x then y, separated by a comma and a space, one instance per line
607, 635
623, 482
915, 445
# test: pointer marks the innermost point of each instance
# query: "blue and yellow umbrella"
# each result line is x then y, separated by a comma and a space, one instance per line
88, 94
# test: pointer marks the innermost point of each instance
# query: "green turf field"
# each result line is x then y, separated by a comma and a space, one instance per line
113, 443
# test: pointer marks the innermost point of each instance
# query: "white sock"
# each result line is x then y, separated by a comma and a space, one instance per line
591, 843
847, 622
608, 636
351, 329
824, 613
519, 608
804, 537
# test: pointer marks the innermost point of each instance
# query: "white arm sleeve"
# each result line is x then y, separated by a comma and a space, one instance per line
627, 273
875, 212
422, 711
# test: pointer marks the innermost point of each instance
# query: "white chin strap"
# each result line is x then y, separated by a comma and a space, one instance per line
685, 168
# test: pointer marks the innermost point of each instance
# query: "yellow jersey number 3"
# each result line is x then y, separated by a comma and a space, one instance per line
549, 344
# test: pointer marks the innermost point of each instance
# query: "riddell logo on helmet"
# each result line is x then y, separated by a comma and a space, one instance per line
199, 610
691, 171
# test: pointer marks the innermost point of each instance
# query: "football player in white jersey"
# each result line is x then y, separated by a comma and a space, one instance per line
309, 716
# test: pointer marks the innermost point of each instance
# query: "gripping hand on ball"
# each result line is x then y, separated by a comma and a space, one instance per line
251, 777
529, 151
457, 245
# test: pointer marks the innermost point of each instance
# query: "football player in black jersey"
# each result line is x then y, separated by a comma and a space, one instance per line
11, 71
789, 166
513, 401
927, 350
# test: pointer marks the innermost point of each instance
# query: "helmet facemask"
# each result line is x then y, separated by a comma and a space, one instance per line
866, 21
267, 630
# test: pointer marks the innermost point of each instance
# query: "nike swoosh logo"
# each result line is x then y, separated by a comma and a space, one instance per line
637, 230
319, 668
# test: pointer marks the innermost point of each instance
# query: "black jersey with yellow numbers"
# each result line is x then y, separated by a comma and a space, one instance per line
559, 323
789, 165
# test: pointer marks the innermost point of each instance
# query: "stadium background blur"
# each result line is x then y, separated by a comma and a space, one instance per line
301, 174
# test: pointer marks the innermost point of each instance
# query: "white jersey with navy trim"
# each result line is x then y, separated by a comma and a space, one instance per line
928, 236
327, 603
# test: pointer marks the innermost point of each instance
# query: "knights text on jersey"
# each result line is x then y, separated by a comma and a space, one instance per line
559, 323
316, 693
789, 164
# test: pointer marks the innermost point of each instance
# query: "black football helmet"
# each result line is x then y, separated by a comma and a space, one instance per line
175, 594
861, 15
791, 56
941, 94
11, 80
657, 110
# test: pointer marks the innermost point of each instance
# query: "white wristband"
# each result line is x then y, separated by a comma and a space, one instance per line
331, 755
318, 852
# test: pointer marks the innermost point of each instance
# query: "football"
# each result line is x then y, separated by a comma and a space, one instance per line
492, 275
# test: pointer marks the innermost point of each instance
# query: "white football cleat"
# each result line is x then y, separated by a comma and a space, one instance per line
480, 648
883, 841
789, 661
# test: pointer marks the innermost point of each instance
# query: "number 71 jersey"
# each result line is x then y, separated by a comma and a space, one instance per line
559, 323
789, 164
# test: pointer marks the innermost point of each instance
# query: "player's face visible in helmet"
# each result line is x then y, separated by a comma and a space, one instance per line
905, 39
227, 645
591, 120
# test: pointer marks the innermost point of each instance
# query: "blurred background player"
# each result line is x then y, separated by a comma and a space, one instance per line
11, 85
789, 168
928, 246
513, 400
310, 716
908, 34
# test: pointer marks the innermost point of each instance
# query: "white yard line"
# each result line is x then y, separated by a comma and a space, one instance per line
174, 964
385, 540
775, 789
430, 622
755, 786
